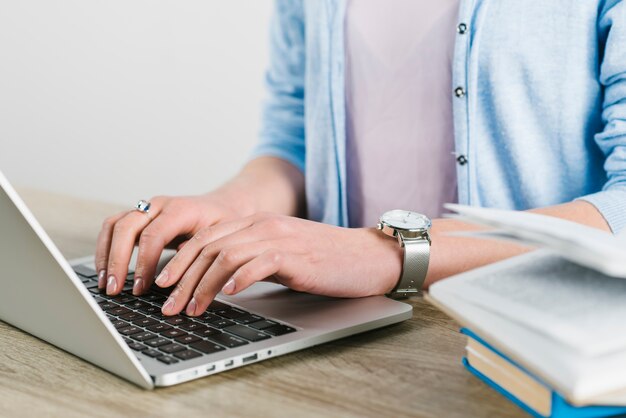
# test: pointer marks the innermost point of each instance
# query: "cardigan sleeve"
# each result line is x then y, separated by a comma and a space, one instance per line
282, 127
611, 201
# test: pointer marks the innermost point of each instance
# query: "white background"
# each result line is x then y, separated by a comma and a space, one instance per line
125, 99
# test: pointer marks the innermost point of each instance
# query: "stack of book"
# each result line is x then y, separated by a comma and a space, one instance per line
546, 329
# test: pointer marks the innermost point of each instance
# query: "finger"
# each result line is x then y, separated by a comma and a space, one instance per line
103, 246
194, 249
221, 271
260, 268
125, 234
152, 241
207, 275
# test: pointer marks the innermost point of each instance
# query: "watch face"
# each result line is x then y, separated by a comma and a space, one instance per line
404, 219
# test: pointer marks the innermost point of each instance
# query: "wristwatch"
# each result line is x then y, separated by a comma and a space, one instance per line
411, 229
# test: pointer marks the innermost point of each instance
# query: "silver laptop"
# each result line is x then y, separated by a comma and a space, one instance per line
58, 301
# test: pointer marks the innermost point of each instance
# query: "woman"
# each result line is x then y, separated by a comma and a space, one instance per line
381, 104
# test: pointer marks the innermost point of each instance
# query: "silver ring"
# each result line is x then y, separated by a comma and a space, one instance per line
143, 206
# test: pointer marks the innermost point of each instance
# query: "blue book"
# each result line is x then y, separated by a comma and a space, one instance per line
521, 387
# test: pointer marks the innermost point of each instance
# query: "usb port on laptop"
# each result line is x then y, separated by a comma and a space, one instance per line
250, 358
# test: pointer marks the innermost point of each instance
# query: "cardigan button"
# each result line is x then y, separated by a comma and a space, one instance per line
461, 159
461, 29
459, 92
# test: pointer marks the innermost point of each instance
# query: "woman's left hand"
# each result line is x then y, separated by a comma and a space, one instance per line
303, 255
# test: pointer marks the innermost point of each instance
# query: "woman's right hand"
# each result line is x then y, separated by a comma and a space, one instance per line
170, 222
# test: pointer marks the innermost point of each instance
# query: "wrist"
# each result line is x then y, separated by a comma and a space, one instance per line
236, 197
443, 246
267, 184
388, 257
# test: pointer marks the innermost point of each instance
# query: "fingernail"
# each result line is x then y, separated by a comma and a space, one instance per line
111, 285
191, 307
169, 305
137, 287
102, 279
229, 287
161, 278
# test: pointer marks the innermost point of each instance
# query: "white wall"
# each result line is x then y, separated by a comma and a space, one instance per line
124, 99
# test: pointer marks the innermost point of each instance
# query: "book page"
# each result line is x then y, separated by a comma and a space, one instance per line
578, 307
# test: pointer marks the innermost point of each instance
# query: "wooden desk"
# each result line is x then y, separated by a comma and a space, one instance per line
410, 369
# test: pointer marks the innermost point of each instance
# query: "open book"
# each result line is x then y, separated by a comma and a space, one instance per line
560, 311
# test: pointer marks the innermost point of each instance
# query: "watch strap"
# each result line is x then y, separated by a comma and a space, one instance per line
414, 267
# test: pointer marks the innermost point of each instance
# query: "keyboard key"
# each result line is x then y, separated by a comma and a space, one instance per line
145, 322
125, 299
162, 291
187, 355
206, 347
227, 340
143, 336
167, 360
206, 332
90, 283
176, 320
132, 316
231, 313
129, 330
159, 327
221, 323
150, 310
171, 348
120, 324
173, 333
247, 333
279, 330
97, 291
187, 339
137, 304
150, 352
196, 327
153, 297
107, 306
217, 306
191, 326
266, 323
208, 317
136, 346
118, 311
158, 342
85, 271
248, 319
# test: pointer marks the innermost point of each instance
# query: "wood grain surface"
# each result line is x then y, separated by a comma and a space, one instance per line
410, 369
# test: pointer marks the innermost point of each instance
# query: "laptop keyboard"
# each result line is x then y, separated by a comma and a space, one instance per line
172, 339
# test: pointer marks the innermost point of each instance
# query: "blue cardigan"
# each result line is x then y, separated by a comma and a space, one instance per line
539, 100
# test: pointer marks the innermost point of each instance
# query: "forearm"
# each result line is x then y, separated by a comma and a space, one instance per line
451, 255
266, 184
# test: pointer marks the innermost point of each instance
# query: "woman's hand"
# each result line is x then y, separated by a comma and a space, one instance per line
303, 255
171, 221
264, 184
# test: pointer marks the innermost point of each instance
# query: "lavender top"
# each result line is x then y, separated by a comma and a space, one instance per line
400, 142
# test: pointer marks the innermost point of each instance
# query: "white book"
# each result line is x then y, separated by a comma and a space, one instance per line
558, 311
